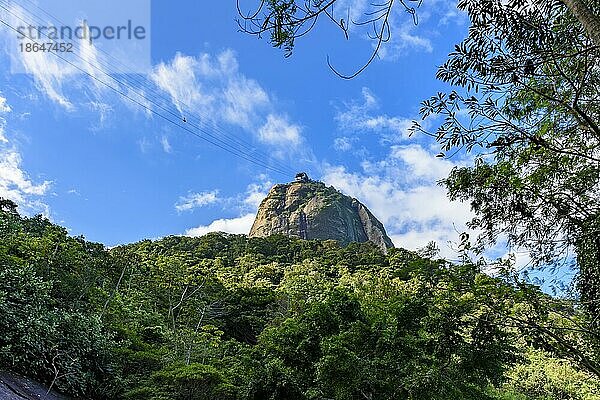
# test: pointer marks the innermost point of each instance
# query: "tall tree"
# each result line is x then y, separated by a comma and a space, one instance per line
587, 18
527, 104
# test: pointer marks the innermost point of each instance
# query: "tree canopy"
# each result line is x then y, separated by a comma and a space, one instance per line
527, 105
227, 317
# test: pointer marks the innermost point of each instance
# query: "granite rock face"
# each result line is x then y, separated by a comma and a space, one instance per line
311, 210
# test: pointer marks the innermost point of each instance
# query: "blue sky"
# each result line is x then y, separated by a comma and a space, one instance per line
108, 169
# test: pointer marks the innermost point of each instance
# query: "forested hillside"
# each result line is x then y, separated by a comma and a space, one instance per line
227, 317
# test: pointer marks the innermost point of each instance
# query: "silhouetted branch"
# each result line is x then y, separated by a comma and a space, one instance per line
287, 20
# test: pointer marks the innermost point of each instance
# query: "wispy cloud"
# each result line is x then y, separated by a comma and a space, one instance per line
15, 183
210, 87
196, 200
104, 111
406, 37
76, 80
166, 145
4, 107
246, 204
49, 72
178, 78
213, 88
278, 130
399, 182
364, 116
256, 193
400, 189
343, 143
243, 97
3, 138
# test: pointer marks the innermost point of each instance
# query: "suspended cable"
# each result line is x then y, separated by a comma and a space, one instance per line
218, 142
256, 155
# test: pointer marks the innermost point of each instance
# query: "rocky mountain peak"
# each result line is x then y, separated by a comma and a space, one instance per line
309, 209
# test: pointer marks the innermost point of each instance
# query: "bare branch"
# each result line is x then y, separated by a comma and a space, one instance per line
287, 20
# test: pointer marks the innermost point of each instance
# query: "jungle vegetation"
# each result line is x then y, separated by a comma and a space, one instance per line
227, 317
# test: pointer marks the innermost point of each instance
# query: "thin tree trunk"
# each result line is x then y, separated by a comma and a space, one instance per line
589, 21
114, 292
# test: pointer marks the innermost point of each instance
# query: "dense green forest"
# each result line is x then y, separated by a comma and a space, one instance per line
227, 317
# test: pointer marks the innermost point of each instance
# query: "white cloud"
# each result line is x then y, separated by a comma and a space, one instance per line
279, 131
48, 71
343, 143
355, 9
81, 77
4, 107
247, 204
256, 193
418, 239
167, 148
242, 97
103, 110
362, 116
208, 90
179, 80
49, 76
56, 76
422, 164
15, 183
446, 11
406, 37
197, 200
402, 191
144, 145
213, 88
3, 138
240, 225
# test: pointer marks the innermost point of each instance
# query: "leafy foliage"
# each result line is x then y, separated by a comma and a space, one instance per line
527, 111
227, 317
526, 106
50, 328
541, 377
